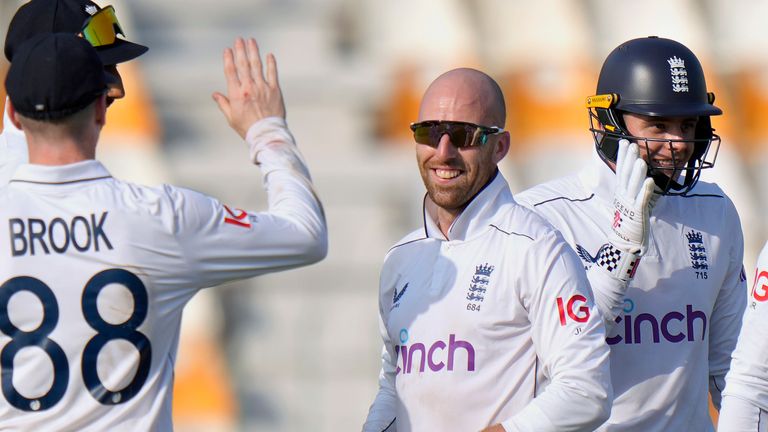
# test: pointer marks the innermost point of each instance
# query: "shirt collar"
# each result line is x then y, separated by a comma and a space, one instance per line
598, 178
61, 174
475, 217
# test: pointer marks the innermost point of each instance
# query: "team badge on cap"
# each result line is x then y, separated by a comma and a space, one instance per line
679, 74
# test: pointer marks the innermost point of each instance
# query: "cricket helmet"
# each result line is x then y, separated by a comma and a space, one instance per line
654, 77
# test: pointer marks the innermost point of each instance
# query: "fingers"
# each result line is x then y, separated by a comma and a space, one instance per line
624, 163
242, 63
625, 160
638, 176
247, 60
230, 73
646, 192
254, 57
621, 155
250, 95
272, 71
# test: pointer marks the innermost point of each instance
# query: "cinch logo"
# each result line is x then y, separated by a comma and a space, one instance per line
760, 285
673, 327
436, 356
579, 314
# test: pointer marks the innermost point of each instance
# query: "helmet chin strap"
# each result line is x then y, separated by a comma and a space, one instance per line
667, 183
664, 182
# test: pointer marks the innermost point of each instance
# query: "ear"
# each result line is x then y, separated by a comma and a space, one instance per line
13, 115
100, 109
501, 147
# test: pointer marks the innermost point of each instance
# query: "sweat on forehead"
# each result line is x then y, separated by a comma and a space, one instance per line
466, 93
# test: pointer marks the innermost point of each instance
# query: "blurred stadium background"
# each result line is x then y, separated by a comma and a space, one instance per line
300, 350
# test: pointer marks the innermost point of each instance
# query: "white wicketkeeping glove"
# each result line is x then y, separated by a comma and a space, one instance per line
633, 199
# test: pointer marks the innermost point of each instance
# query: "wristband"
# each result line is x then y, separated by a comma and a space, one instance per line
618, 263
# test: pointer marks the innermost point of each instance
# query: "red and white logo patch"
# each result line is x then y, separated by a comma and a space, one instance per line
579, 314
238, 217
760, 286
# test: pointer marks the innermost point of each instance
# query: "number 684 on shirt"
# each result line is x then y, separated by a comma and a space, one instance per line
105, 332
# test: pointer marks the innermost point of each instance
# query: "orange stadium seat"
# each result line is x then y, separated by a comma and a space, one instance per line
547, 120
202, 398
546, 102
401, 107
750, 89
134, 115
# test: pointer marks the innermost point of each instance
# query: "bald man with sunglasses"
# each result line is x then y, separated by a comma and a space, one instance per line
486, 314
99, 26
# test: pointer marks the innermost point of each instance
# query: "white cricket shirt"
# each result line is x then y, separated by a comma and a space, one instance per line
745, 398
95, 272
495, 324
682, 310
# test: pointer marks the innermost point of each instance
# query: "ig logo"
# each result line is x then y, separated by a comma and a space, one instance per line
760, 286
575, 309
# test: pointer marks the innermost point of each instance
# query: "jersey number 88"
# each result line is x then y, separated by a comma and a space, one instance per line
106, 332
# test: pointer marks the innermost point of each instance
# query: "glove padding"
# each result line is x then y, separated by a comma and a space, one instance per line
633, 199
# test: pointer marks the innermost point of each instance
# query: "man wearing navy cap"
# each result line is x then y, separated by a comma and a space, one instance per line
99, 26
95, 272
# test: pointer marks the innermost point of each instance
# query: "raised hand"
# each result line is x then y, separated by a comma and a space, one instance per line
632, 200
251, 96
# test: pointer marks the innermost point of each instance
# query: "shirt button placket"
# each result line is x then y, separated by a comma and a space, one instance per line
440, 270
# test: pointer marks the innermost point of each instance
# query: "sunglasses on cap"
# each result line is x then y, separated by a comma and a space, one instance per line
461, 134
101, 28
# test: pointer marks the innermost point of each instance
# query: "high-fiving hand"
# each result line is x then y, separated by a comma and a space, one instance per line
251, 96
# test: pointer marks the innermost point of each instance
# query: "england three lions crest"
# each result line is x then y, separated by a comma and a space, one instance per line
679, 74
697, 253
478, 286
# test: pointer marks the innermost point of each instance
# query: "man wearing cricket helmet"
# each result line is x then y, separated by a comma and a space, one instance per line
663, 250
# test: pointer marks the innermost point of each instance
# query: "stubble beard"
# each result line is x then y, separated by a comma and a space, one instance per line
451, 198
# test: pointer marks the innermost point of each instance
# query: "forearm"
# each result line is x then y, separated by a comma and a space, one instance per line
562, 408
609, 292
291, 195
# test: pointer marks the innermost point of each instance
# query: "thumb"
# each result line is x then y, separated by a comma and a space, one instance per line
223, 104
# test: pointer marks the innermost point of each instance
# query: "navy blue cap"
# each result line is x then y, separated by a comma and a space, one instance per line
63, 16
54, 75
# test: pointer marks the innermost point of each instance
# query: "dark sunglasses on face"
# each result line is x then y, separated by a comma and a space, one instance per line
461, 134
